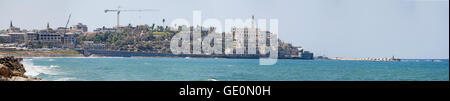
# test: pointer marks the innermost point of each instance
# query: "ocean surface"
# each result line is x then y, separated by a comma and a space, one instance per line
181, 69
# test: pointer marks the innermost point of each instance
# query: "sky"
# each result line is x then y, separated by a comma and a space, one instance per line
417, 29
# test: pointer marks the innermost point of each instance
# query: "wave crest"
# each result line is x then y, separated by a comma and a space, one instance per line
35, 70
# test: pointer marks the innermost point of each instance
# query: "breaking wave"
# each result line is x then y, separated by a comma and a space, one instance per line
65, 79
35, 70
211, 79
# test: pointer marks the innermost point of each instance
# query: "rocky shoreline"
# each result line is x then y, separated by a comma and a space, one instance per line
12, 70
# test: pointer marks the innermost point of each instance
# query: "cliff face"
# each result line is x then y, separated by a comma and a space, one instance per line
12, 70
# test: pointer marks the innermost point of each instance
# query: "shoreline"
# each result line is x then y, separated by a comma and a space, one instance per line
227, 58
81, 56
187, 57
121, 54
65, 54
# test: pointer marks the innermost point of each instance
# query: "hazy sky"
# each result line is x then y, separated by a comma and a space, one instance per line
344, 28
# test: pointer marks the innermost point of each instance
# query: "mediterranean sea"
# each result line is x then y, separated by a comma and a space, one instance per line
193, 69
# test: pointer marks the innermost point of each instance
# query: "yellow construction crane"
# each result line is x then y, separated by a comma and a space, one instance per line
118, 10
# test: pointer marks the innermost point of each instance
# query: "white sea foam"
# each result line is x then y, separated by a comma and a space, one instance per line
437, 61
65, 79
212, 79
34, 70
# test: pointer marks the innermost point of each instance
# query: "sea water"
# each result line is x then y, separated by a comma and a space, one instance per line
182, 69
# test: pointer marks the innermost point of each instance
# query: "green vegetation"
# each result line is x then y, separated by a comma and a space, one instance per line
140, 39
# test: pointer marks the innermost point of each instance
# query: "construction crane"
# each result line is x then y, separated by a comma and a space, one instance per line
118, 10
65, 31
65, 28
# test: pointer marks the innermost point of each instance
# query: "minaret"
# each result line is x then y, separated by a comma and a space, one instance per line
48, 25
253, 21
10, 24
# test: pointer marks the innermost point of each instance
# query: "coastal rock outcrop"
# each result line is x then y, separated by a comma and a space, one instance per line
12, 70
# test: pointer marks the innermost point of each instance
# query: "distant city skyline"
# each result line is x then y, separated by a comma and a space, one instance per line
335, 28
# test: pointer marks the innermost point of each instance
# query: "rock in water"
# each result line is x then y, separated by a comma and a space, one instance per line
12, 70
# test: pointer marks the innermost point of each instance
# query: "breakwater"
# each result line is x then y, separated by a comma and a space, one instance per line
366, 59
12, 70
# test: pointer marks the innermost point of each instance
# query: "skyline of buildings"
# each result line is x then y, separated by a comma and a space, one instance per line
67, 38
